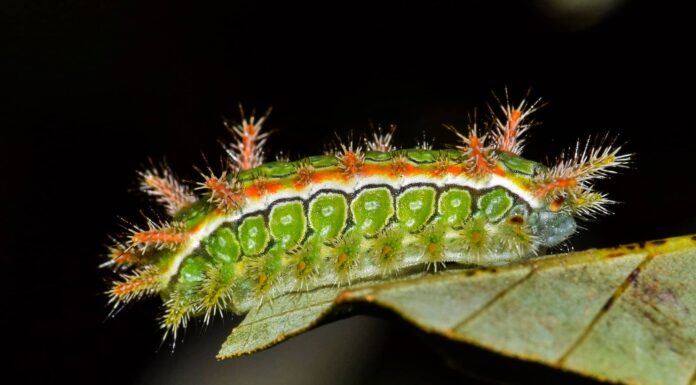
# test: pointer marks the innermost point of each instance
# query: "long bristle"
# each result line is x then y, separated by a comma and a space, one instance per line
121, 255
570, 180
158, 236
246, 152
589, 204
167, 190
424, 143
590, 161
178, 312
381, 141
480, 155
509, 130
216, 291
142, 282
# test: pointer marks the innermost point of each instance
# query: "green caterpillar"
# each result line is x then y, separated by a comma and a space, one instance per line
264, 230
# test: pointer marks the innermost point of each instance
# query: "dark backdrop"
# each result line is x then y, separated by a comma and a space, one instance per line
93, 88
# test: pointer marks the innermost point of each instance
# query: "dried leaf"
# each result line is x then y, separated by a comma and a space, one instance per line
624, 314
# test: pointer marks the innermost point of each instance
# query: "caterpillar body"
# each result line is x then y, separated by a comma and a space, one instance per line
261, 230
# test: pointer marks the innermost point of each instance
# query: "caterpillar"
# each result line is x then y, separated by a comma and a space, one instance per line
363, 212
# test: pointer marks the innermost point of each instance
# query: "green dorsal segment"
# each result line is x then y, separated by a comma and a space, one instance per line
421, 156
328, 214
495, 204
288, 224
372, 208
323, 161
277, 169
517, 164
425, 157
415, 206
247, 177
253, 235
378, 157
455, 206
222, 246
452, 154
272, 170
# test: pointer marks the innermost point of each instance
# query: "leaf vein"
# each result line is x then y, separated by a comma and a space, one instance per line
631, 277
275, 315
488, 304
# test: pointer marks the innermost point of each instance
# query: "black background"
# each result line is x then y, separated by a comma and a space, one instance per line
92, 89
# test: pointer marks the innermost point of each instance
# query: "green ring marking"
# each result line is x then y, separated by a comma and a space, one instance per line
323, 161
253, 235
277, 170
415, 206
328, 215
288, 224
495, 204
421, 156
517, 164
378, 157
372, 209
222, 246
191, 273
455, 206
